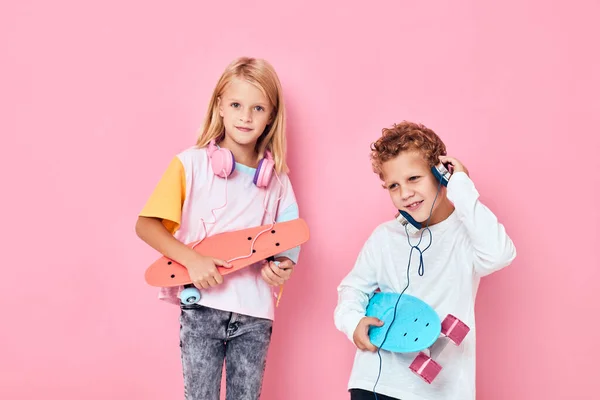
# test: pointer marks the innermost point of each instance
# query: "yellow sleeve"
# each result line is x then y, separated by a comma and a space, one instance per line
167, 198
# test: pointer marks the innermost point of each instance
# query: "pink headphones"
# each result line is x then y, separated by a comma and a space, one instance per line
223, 164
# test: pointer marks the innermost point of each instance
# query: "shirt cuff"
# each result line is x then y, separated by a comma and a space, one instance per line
349, 324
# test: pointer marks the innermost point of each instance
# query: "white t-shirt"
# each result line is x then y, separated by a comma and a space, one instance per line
187, 194
469, 244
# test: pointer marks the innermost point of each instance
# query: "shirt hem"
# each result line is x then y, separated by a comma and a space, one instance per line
384, 390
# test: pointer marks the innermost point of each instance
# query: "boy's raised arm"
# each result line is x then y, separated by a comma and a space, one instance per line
493, 248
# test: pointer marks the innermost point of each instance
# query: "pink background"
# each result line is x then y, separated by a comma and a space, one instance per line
97, 97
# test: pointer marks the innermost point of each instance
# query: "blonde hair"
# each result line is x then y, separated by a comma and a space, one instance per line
262, 75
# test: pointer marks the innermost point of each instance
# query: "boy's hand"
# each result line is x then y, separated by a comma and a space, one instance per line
203, 271
275, 273
361, 333
457, 166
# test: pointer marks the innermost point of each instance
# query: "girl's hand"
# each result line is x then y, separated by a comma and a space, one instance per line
457, 166
275, 273
203, 271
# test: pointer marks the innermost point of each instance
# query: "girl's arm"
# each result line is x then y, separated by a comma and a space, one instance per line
203, 270
153, 232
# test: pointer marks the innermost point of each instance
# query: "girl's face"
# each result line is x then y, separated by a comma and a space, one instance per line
246, 112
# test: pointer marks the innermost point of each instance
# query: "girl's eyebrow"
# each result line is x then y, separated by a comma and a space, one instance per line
234, 100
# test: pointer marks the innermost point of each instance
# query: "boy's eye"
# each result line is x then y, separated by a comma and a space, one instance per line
393, 186
413, 178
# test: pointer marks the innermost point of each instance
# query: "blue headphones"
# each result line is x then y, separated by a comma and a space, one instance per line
442, 175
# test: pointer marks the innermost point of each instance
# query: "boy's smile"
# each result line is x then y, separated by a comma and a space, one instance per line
412, 207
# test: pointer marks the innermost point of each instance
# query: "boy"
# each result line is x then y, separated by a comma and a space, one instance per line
462, 242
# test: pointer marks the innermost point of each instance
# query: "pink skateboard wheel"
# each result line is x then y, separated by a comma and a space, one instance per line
425, 367
454, 329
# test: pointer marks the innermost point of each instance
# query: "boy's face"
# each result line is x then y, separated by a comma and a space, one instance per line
413, 188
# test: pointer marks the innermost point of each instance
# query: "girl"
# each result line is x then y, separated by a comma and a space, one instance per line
233, 178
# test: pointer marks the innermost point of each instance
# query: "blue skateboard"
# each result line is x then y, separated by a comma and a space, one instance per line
416, 328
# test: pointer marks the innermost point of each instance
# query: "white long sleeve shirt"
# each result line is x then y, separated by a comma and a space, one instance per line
469, 244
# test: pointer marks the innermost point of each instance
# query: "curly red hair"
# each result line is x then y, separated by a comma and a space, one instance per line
406, 136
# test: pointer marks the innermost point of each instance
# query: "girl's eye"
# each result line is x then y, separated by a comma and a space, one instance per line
413, 178
259, 108
235, 105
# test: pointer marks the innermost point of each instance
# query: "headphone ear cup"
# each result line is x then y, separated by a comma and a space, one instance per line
441, 173
222, 162
407, 220
264, 172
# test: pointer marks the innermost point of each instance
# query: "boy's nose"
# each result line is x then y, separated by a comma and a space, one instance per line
406, 194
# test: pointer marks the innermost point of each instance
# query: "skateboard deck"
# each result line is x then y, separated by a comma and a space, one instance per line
282, 236
416, 326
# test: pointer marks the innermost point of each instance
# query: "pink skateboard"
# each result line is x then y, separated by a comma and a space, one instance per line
240, 248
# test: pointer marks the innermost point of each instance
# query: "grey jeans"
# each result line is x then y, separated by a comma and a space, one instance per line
207, 338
